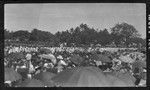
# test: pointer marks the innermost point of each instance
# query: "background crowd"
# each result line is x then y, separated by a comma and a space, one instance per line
29, 62
80, 57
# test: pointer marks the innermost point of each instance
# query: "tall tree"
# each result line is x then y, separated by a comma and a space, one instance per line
38, 35
22, 35
34, 35
7, 34
104, 38
123, 32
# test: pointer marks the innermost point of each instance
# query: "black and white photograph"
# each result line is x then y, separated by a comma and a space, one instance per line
75, 45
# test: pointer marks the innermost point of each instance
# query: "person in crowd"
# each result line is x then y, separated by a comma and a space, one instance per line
109, 66
30, 66
8, 83
137, 75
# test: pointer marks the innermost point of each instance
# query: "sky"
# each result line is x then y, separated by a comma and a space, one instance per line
55, 17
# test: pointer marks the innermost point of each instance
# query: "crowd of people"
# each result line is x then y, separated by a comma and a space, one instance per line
31, 61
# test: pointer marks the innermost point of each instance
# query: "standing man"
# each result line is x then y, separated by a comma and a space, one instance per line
29, 65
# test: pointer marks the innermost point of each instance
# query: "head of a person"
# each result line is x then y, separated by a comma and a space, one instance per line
28, 56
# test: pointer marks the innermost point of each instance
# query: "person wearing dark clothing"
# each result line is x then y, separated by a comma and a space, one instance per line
137, 76
6, 85
109, 65
138, 79
103, 67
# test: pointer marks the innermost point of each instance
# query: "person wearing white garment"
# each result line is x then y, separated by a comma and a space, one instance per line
16, 49
10, 51
53, 58
62, 62
9, 83
116, 64
143, 79
29, 65
59, 57
61, 65
28, 56
98, 63
59, 69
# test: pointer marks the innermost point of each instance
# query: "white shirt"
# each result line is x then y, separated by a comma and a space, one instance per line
98, 63
61, 62
59, 68
142, 82
31, 69
59, 57
28, 56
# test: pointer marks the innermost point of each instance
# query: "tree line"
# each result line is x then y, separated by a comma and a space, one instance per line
120, 34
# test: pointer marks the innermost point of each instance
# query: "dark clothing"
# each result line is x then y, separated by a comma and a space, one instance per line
138, 79
136, 70
6, 85
110, 65
103, 67
23, 72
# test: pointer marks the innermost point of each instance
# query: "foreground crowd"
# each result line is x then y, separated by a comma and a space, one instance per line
73, 67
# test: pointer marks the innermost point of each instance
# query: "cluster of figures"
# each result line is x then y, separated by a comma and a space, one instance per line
46, 68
